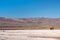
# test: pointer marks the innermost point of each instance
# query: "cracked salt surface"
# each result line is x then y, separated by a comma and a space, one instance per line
16, 34
24, 38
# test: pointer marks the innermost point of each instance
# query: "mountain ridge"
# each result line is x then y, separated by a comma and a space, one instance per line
29, 23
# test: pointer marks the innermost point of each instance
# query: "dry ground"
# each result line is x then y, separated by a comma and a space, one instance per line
30, 35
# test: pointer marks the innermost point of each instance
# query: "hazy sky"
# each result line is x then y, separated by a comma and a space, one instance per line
29, 8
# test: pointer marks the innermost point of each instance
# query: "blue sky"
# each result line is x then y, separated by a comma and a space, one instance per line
30, 8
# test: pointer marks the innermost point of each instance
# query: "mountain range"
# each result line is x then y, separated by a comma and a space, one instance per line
29, 23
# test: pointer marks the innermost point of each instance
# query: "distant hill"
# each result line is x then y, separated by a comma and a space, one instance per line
29, 23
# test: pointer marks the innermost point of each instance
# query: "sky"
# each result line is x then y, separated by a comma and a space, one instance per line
30, 8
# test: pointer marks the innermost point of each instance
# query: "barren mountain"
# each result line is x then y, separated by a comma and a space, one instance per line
29, 23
